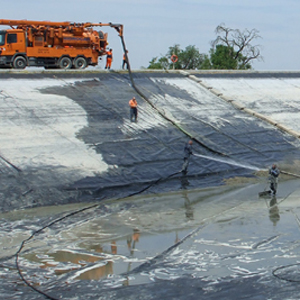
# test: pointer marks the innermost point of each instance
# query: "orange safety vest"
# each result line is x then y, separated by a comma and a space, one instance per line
132, 103
109, 55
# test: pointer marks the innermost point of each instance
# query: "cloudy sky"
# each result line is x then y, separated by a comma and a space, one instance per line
152, 26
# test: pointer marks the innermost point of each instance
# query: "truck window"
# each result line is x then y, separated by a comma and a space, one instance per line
2, 38
11, 38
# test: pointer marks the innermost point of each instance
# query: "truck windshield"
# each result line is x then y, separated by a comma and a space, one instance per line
2, 38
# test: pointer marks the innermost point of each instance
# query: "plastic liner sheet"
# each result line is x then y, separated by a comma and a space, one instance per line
276, 96
148, 155
143, 152
216, 122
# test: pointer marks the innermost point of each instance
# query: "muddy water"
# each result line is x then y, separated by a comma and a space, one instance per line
215, 235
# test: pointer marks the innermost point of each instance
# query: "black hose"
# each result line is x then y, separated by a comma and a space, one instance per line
284, 267
11, 164
35, 233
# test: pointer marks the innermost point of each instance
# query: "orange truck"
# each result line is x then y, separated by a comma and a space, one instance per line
46, 44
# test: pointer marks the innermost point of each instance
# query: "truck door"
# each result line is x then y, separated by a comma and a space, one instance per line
15, 43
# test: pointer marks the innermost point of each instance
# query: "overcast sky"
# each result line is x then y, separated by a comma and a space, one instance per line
152, 26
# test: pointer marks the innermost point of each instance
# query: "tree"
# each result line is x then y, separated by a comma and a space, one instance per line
232, 49
191, 58
221, 58
239, 47
188, 59
159, 63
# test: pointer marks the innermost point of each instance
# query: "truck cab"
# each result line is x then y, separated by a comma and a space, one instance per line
12, 43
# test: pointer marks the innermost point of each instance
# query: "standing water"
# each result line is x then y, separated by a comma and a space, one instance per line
191, 244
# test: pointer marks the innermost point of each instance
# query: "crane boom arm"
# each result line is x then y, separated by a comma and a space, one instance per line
118, 27
32, 23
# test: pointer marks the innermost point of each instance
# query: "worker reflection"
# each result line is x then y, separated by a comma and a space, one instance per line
274, 173
109, 59
189, 210
184, 183
132, 240
177, 239
274, 211
188, 151
113, 247
133, 109
125, 62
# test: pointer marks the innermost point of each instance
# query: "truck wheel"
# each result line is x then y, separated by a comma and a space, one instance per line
65, 63
19, 62
80, 63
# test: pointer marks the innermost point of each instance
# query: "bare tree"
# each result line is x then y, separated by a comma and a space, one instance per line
239, 43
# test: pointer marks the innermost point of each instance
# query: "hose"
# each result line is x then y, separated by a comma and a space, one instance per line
11, 164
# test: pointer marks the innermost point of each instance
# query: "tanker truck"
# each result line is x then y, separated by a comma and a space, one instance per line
46, 44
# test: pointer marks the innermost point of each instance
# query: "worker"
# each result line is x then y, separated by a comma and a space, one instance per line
274, 173
133, 109
125, 61
188, 151
109, 59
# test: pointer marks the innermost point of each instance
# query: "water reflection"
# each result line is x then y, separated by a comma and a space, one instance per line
64, 261
107, 268
131, 243
89, 266
97, 273
132, 240
189, 210
274, 211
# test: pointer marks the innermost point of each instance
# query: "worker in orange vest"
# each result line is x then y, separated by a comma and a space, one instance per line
133, 109
109, 58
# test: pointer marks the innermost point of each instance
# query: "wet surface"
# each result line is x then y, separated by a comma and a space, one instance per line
139, 227
208, 242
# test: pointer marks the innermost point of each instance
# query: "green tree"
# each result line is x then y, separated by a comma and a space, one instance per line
159, 63
206, 64
222, 58
191, 59
188, 59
